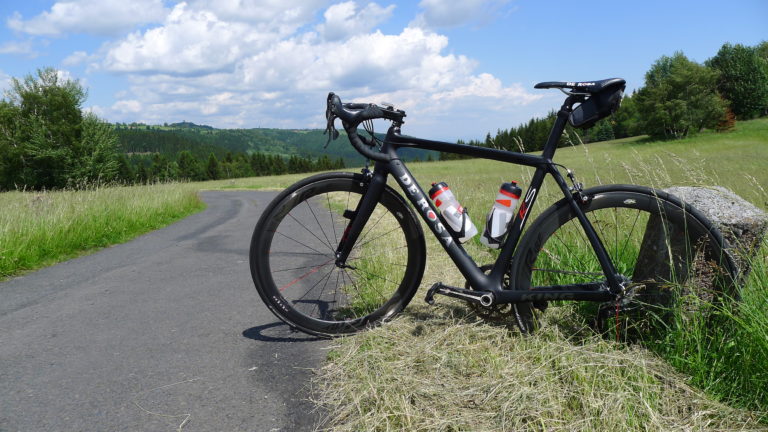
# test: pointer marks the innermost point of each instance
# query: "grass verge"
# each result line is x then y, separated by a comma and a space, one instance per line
43, 228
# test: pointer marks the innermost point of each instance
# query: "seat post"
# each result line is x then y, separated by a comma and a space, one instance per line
558, 127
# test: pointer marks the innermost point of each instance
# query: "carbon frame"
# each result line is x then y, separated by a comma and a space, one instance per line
491, 282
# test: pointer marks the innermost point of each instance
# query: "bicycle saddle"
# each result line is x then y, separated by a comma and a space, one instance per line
582, 86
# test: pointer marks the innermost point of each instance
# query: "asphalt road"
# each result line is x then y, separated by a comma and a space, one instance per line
163, 333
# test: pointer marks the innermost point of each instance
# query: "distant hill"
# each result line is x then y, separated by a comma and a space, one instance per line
202, 140
189, 125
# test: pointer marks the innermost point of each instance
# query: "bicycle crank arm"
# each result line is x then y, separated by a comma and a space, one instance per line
483, 298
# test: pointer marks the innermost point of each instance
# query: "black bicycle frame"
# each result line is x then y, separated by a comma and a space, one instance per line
480, 281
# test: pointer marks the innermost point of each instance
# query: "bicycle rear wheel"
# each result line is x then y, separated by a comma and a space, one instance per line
293, 262
663, 248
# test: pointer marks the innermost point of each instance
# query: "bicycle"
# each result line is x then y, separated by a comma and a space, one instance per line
336, 253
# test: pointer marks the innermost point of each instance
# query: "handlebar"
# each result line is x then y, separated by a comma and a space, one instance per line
351, 115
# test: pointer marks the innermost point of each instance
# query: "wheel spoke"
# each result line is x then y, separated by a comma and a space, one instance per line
362, 239
309, 231
328, 242
305, 275
333, 222
374, 239
302, 244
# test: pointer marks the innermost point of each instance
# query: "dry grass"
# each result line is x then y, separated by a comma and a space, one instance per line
441, 369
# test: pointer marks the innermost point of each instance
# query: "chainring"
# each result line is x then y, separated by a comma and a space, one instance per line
500, 313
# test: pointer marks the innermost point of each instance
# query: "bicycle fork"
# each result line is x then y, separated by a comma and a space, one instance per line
373, 184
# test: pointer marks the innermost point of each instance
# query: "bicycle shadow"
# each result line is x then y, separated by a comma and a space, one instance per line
277, 332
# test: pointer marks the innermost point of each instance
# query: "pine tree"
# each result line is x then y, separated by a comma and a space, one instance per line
212, 169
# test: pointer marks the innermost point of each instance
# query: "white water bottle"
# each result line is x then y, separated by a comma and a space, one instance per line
454, 214
497, 221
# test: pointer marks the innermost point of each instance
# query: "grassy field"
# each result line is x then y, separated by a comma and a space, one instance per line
443, 368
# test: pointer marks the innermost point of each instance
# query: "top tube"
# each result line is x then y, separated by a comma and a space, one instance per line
395, 138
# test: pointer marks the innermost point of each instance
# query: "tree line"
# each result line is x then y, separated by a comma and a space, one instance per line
47, 141
186, 166
680, 98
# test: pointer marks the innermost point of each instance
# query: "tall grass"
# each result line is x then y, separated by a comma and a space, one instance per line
41, 228
726, 353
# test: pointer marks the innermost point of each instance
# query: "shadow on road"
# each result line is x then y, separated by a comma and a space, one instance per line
277, 332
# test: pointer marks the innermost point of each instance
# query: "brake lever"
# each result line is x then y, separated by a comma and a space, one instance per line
332, 133
330, 127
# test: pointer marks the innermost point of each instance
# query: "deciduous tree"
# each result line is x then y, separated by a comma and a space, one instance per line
679, 98
743, 79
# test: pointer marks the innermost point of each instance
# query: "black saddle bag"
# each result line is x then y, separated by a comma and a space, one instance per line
597, 106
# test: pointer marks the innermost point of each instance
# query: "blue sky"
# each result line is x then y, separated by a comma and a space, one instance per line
459, 68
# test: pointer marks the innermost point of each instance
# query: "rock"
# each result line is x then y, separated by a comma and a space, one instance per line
742, 224
669, 264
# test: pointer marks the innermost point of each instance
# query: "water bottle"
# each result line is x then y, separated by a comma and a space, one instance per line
453, 213
501, 213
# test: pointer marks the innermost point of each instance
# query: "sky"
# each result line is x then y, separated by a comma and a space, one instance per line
460, 68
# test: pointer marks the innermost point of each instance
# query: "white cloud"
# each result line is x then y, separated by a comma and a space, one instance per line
285, 85
190, 42
278, 13
79, 57
487, 86
18, 47
451, 13
5, 82
207, 65
100, 17
343, 19
130, 106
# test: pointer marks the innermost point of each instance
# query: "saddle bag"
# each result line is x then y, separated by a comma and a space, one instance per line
599, 105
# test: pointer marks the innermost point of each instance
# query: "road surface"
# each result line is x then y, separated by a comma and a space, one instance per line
163, 333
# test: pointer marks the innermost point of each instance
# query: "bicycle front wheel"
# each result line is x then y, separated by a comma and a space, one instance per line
293, 262
662, 248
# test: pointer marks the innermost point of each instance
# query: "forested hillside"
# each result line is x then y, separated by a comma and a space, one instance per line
198, 152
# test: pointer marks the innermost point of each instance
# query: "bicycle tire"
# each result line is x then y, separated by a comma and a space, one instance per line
638, 226
292, 256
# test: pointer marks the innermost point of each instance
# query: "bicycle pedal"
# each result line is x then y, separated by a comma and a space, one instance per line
430, 297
